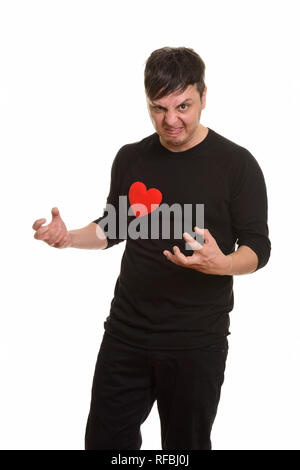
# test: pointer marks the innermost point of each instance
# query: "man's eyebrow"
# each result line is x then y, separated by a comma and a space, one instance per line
157, 104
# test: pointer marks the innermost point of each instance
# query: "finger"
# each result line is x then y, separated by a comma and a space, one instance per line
50, 243
180, 257
38, 223
62, 243
55, 238
205, 233
59, 239
170, 256
42, 233
41, 230
55, 212
194, 244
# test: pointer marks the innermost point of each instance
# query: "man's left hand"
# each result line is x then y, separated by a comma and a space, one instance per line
207, 258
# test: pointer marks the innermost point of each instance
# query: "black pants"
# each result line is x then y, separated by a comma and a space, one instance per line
127, 381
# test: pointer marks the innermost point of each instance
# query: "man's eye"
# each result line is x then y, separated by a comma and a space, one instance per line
160, 107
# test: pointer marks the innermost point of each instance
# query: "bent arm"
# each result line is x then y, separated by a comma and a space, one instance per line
249, 216
90, 237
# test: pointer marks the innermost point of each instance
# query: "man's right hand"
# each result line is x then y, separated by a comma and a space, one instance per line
54, 234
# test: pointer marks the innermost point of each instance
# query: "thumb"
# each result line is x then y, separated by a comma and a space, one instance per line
55, 212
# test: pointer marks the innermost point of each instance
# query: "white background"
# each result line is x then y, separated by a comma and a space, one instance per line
71, 94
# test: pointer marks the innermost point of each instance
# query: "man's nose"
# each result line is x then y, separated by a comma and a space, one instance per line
171, 119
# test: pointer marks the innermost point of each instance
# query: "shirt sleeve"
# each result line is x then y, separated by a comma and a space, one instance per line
249, 208
112, 231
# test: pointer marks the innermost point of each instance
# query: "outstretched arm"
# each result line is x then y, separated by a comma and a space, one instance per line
90, 237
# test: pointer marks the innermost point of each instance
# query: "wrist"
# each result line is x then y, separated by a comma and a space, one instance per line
70, 240
229, 265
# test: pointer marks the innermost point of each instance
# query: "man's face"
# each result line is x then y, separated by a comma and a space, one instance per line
176, 118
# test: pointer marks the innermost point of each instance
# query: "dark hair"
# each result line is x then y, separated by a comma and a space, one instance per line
173, 68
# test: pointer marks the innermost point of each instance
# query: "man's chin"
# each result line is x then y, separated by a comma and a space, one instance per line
175, 142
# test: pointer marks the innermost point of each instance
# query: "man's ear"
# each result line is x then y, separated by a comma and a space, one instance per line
203, 99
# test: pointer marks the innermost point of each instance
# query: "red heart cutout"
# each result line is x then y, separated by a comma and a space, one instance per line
143, 201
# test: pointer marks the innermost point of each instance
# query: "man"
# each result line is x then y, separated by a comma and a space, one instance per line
166, 336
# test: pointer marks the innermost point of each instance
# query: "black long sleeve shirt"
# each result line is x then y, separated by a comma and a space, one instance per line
156, 303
